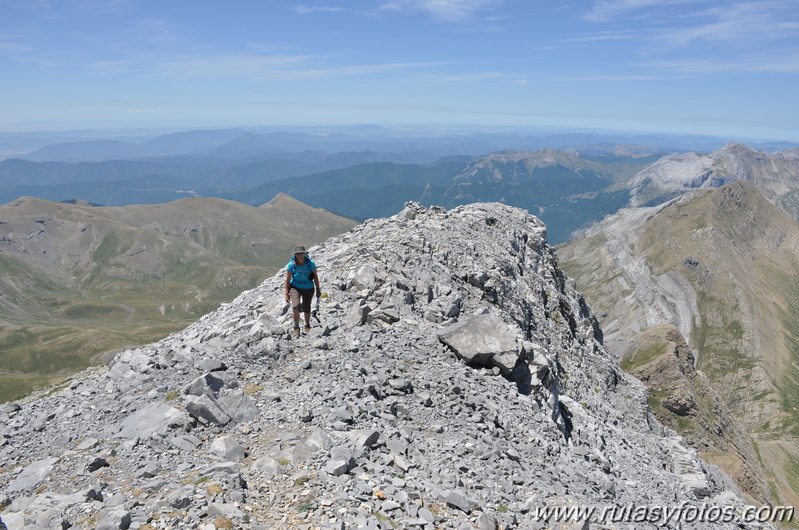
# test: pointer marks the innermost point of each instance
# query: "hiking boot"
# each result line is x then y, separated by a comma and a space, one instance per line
306, 329
295, 332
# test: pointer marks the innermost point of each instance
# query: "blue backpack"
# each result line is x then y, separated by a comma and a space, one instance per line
302, 275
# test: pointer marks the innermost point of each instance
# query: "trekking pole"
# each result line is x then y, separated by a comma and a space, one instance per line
315, 312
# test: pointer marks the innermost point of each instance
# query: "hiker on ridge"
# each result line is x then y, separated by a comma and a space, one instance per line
301, 278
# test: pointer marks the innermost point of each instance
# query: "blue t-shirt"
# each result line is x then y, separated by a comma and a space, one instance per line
300, 273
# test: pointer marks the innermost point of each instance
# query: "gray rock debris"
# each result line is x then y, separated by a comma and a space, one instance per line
31, 475
457, 381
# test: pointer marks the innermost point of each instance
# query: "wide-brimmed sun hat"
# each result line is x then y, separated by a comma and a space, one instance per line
300, 250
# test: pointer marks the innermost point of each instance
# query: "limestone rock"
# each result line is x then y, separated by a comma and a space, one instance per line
480, 339
31, 475
462, 376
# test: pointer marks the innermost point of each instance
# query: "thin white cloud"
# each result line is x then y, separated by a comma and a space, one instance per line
14, 47
604, 37
98, 6
605, 10
449, 10
354, 70
278, 68
680, 23
467, 78
156, 30
740, 22
696, 67
610, 78
271, 67
307, 10
227, 66
708, 38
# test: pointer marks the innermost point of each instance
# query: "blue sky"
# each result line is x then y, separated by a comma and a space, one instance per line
722, 67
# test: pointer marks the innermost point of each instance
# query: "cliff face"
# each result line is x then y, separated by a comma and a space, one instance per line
456, 380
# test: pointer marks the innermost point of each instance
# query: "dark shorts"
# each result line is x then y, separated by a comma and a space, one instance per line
304, 295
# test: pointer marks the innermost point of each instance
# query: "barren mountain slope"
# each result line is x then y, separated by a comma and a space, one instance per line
775, 175
722, 266
261, 236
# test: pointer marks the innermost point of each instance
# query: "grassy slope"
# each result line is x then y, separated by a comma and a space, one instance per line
98, 279
744, 268
746, 278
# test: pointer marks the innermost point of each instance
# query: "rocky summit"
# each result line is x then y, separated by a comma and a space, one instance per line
454, 379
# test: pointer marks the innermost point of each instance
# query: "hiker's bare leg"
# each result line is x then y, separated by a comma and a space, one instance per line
294, 295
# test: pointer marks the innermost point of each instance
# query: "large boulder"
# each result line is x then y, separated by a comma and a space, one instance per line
482, 340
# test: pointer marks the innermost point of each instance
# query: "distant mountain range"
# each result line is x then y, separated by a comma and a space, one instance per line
370, 171
80, 280
242, 143
567, 190
164, 179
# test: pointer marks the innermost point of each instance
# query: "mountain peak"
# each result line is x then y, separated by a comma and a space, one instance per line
33, 205
774, 175
280, 199
456, 377
736, 148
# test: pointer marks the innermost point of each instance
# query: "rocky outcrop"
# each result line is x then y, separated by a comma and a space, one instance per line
456, 380
683, 398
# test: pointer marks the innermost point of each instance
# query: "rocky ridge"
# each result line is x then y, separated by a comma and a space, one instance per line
456, 380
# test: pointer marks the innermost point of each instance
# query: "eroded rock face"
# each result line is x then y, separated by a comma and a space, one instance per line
456, 379
667, 368
683, 399
720, 266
